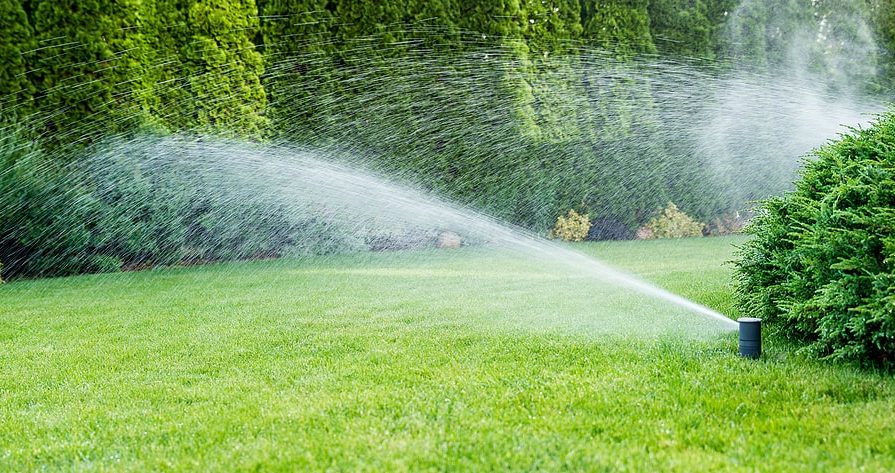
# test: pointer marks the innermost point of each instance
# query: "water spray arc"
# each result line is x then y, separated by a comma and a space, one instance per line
353, 195
312, 196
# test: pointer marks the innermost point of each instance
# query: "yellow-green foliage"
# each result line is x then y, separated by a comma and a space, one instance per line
572, 226
673, 223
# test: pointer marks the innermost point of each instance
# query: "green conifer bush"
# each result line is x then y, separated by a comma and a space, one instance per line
821, 265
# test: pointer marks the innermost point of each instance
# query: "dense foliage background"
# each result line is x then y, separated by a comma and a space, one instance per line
489, 102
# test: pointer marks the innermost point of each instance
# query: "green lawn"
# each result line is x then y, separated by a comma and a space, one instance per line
446, 360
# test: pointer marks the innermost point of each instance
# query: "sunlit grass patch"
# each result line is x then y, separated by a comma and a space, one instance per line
411, 362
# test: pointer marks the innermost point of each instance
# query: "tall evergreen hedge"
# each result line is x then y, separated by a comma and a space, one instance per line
298, 52
90, 67
690, 28
172, 102
223, 66
622, 26
16, 43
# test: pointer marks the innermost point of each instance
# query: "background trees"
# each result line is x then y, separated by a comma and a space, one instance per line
89, 67
16, 41
222, 66
116, 65
522, 108
620, 25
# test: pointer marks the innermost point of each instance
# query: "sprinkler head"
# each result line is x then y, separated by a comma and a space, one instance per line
750, 337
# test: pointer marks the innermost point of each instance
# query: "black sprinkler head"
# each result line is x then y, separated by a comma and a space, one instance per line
750, 337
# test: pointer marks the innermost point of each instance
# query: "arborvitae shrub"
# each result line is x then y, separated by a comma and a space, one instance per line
16, 41
672, 223
572, 226
42, 230
224, 67
140, 204
89, 68
821, 265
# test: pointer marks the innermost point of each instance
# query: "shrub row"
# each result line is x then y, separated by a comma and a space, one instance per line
130, 211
